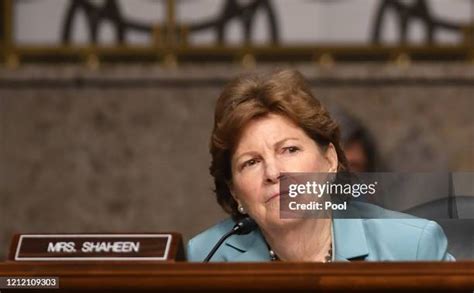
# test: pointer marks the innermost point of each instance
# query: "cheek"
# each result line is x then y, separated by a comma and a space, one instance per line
246, 187
318, 164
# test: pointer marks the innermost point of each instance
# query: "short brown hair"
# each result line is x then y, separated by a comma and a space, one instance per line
252, 96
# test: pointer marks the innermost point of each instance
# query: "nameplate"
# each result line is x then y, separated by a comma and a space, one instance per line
97, 247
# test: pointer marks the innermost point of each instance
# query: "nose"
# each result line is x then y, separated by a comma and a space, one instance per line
272, 172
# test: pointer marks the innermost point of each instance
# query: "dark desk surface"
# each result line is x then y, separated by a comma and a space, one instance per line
278, 276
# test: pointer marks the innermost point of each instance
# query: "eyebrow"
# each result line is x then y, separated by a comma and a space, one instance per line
277, 145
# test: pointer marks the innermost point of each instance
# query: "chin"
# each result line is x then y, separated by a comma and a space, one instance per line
274, 219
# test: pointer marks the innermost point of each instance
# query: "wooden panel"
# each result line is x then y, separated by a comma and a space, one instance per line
455, 276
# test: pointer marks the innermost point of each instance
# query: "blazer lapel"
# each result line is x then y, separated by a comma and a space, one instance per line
252, 247
349, 240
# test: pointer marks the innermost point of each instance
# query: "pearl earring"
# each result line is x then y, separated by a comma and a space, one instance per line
241, 209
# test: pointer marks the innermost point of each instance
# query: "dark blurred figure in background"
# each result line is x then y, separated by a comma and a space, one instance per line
358, 144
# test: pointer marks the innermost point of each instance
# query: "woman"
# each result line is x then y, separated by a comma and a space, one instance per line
267, 125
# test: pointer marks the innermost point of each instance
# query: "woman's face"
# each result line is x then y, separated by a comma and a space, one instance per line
269, 146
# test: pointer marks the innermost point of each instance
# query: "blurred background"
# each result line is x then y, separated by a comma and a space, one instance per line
106, 107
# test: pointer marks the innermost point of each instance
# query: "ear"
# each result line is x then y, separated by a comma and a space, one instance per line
331, 158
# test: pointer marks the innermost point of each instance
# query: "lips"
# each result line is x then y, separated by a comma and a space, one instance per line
272, 197
276, 195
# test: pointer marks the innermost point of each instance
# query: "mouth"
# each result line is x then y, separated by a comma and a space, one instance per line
276, 195
272, 197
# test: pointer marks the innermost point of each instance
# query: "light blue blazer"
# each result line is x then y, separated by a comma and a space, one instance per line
374, 239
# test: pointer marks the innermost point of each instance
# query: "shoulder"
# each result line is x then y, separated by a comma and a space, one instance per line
397, 236
200, 245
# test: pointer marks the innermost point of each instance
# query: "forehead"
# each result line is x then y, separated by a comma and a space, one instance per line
268, 129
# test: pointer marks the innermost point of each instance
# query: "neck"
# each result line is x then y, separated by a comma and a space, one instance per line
306, 240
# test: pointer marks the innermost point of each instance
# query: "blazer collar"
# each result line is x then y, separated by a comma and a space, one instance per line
349, 240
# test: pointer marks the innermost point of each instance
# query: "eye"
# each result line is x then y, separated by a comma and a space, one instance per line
291, 149
249, 163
